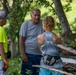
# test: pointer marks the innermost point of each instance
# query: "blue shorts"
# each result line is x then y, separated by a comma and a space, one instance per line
48, 72
27, 68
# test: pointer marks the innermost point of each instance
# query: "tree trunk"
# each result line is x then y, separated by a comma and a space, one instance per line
66, 31
13, 49
5, 5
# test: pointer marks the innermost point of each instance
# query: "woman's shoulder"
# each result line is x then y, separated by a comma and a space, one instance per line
40, 36
41, 39
57, 38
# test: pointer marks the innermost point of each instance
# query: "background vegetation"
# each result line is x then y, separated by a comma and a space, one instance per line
19, 12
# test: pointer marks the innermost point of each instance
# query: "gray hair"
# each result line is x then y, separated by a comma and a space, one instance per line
35, 9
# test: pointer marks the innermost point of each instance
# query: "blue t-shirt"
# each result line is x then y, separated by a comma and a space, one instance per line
31, 31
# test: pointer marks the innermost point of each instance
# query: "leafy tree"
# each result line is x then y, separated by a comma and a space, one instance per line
62, 18
19, 8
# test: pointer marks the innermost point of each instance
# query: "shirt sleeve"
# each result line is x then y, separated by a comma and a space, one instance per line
2, 35
23, 29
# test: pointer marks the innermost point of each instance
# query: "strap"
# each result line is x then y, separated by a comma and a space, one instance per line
50, 60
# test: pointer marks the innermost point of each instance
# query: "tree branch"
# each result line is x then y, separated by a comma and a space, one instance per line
68, 49
55, 70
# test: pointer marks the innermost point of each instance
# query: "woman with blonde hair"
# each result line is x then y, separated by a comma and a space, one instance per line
48, 42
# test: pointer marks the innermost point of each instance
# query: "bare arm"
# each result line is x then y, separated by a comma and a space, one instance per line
57, 39
22, 47
2, 51
41, 39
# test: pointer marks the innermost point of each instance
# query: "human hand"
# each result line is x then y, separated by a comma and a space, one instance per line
5, 65
24, 58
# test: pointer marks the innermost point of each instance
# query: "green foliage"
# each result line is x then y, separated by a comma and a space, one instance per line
44, 3
20, 9
73, 26
69, 0
14, 66
28, 72
69, 42
17, 15
73, 44
67, 7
